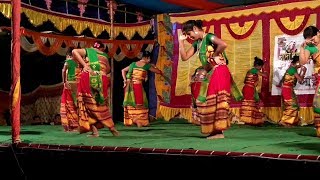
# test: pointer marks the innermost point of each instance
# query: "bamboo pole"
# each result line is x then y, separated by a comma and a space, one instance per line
111, 11
15, 91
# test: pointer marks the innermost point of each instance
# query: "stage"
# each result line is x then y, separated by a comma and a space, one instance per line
180, 135
270, 147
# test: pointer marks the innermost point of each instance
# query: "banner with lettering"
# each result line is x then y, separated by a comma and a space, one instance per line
284, 49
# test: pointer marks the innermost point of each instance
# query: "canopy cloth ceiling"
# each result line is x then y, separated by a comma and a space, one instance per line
176, 6
146, 6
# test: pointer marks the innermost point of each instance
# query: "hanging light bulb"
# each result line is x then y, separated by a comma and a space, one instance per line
139, 16
152, 21
48, 3
114, 6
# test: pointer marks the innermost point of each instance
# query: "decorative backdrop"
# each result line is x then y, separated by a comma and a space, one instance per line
249, 31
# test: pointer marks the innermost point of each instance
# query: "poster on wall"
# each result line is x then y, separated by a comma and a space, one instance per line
285, 48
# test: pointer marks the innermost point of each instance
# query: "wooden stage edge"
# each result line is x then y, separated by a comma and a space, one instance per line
181, 152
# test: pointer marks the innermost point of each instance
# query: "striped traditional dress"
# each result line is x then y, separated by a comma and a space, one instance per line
135, 100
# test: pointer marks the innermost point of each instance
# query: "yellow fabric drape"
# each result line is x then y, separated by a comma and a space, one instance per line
241, 30
273, 114
292, 25
306, 115
80, 24
235, 112
164, 62
168, 112
241, 52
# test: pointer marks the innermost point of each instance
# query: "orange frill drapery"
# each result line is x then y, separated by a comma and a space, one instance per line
129, 48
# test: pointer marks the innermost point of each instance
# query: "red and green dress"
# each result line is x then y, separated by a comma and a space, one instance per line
289, 98
135, 100
250, 111
213, 93
93, 94
68, 108
196, 81
315, 55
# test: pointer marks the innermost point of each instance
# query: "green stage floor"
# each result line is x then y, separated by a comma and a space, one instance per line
180, 135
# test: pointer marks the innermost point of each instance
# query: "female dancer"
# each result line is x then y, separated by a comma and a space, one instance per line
250, 110
290, 101
195, 85
68, 109
135, 100
94, 110
214, 95
310, 50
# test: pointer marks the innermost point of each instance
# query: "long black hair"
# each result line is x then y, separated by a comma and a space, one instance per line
258, 61
310, 31
188, 26
69, 51
295, 59
146, 54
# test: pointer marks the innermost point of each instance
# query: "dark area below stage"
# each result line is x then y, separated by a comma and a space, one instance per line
59, 164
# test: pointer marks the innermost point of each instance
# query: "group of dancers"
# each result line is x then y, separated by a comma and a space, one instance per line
85, 106
86, 75
212, 84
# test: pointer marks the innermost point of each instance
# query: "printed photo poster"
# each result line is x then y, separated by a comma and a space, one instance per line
285, 48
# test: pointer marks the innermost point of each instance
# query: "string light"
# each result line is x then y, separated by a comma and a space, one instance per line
48, 3
82, 4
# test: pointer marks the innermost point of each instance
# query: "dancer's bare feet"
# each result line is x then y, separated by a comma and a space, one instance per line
95, 132
75, 130
115, 132
258, 125
216, 136
93, 135
285, 124
152, 118
71, 130
139, 124
318, 131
